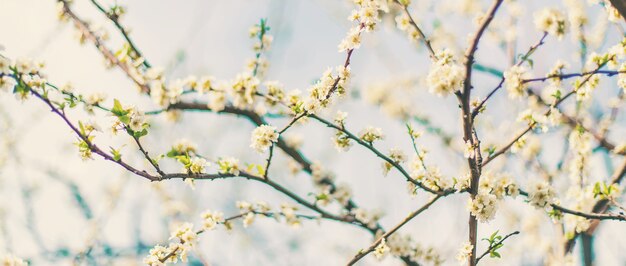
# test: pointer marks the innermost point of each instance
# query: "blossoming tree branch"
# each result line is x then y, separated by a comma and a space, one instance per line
574, 195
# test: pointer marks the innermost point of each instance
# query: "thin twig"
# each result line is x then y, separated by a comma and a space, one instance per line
90, 35
410, 217
574, 123
238, 216
477, 109
532, 124
269, 161
608, 73
405, 9
115, 19
145, 154
379, 154
491, 247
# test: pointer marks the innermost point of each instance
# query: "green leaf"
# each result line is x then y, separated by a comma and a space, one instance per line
596, 189
119, 111
172, 153
557, 94
82, 128
20, 87
322, 196
117, 156
139, 134
493, 236
124, 119
70, 100
260, 169
184, 159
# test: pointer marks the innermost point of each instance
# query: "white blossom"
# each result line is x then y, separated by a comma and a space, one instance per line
446, 75
381, 249
263, 137
541, 195
210, 219
514, 81
228, 165
483, 206
371, 134
552, 21
197, 165
464, 253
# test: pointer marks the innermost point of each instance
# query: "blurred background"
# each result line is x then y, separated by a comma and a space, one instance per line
55, 206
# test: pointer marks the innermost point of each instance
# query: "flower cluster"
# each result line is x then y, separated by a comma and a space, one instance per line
403, 22
366, 18
275, 92
26, 71
514, 81
319, 94
464, 253
381, 249
528, 146
263, 137
352, 40
483, 206
210, 219
371, 134
92, 100
341, 139
130, 119
244, 88
552, 21
499, 185
260, 31
541, 195
491, 189
534, 118
196, 165
289, 212
185, 233
446, 74
228, 165
397, 156
403, 246
186, 238
250, 211
431, 177
126, 56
